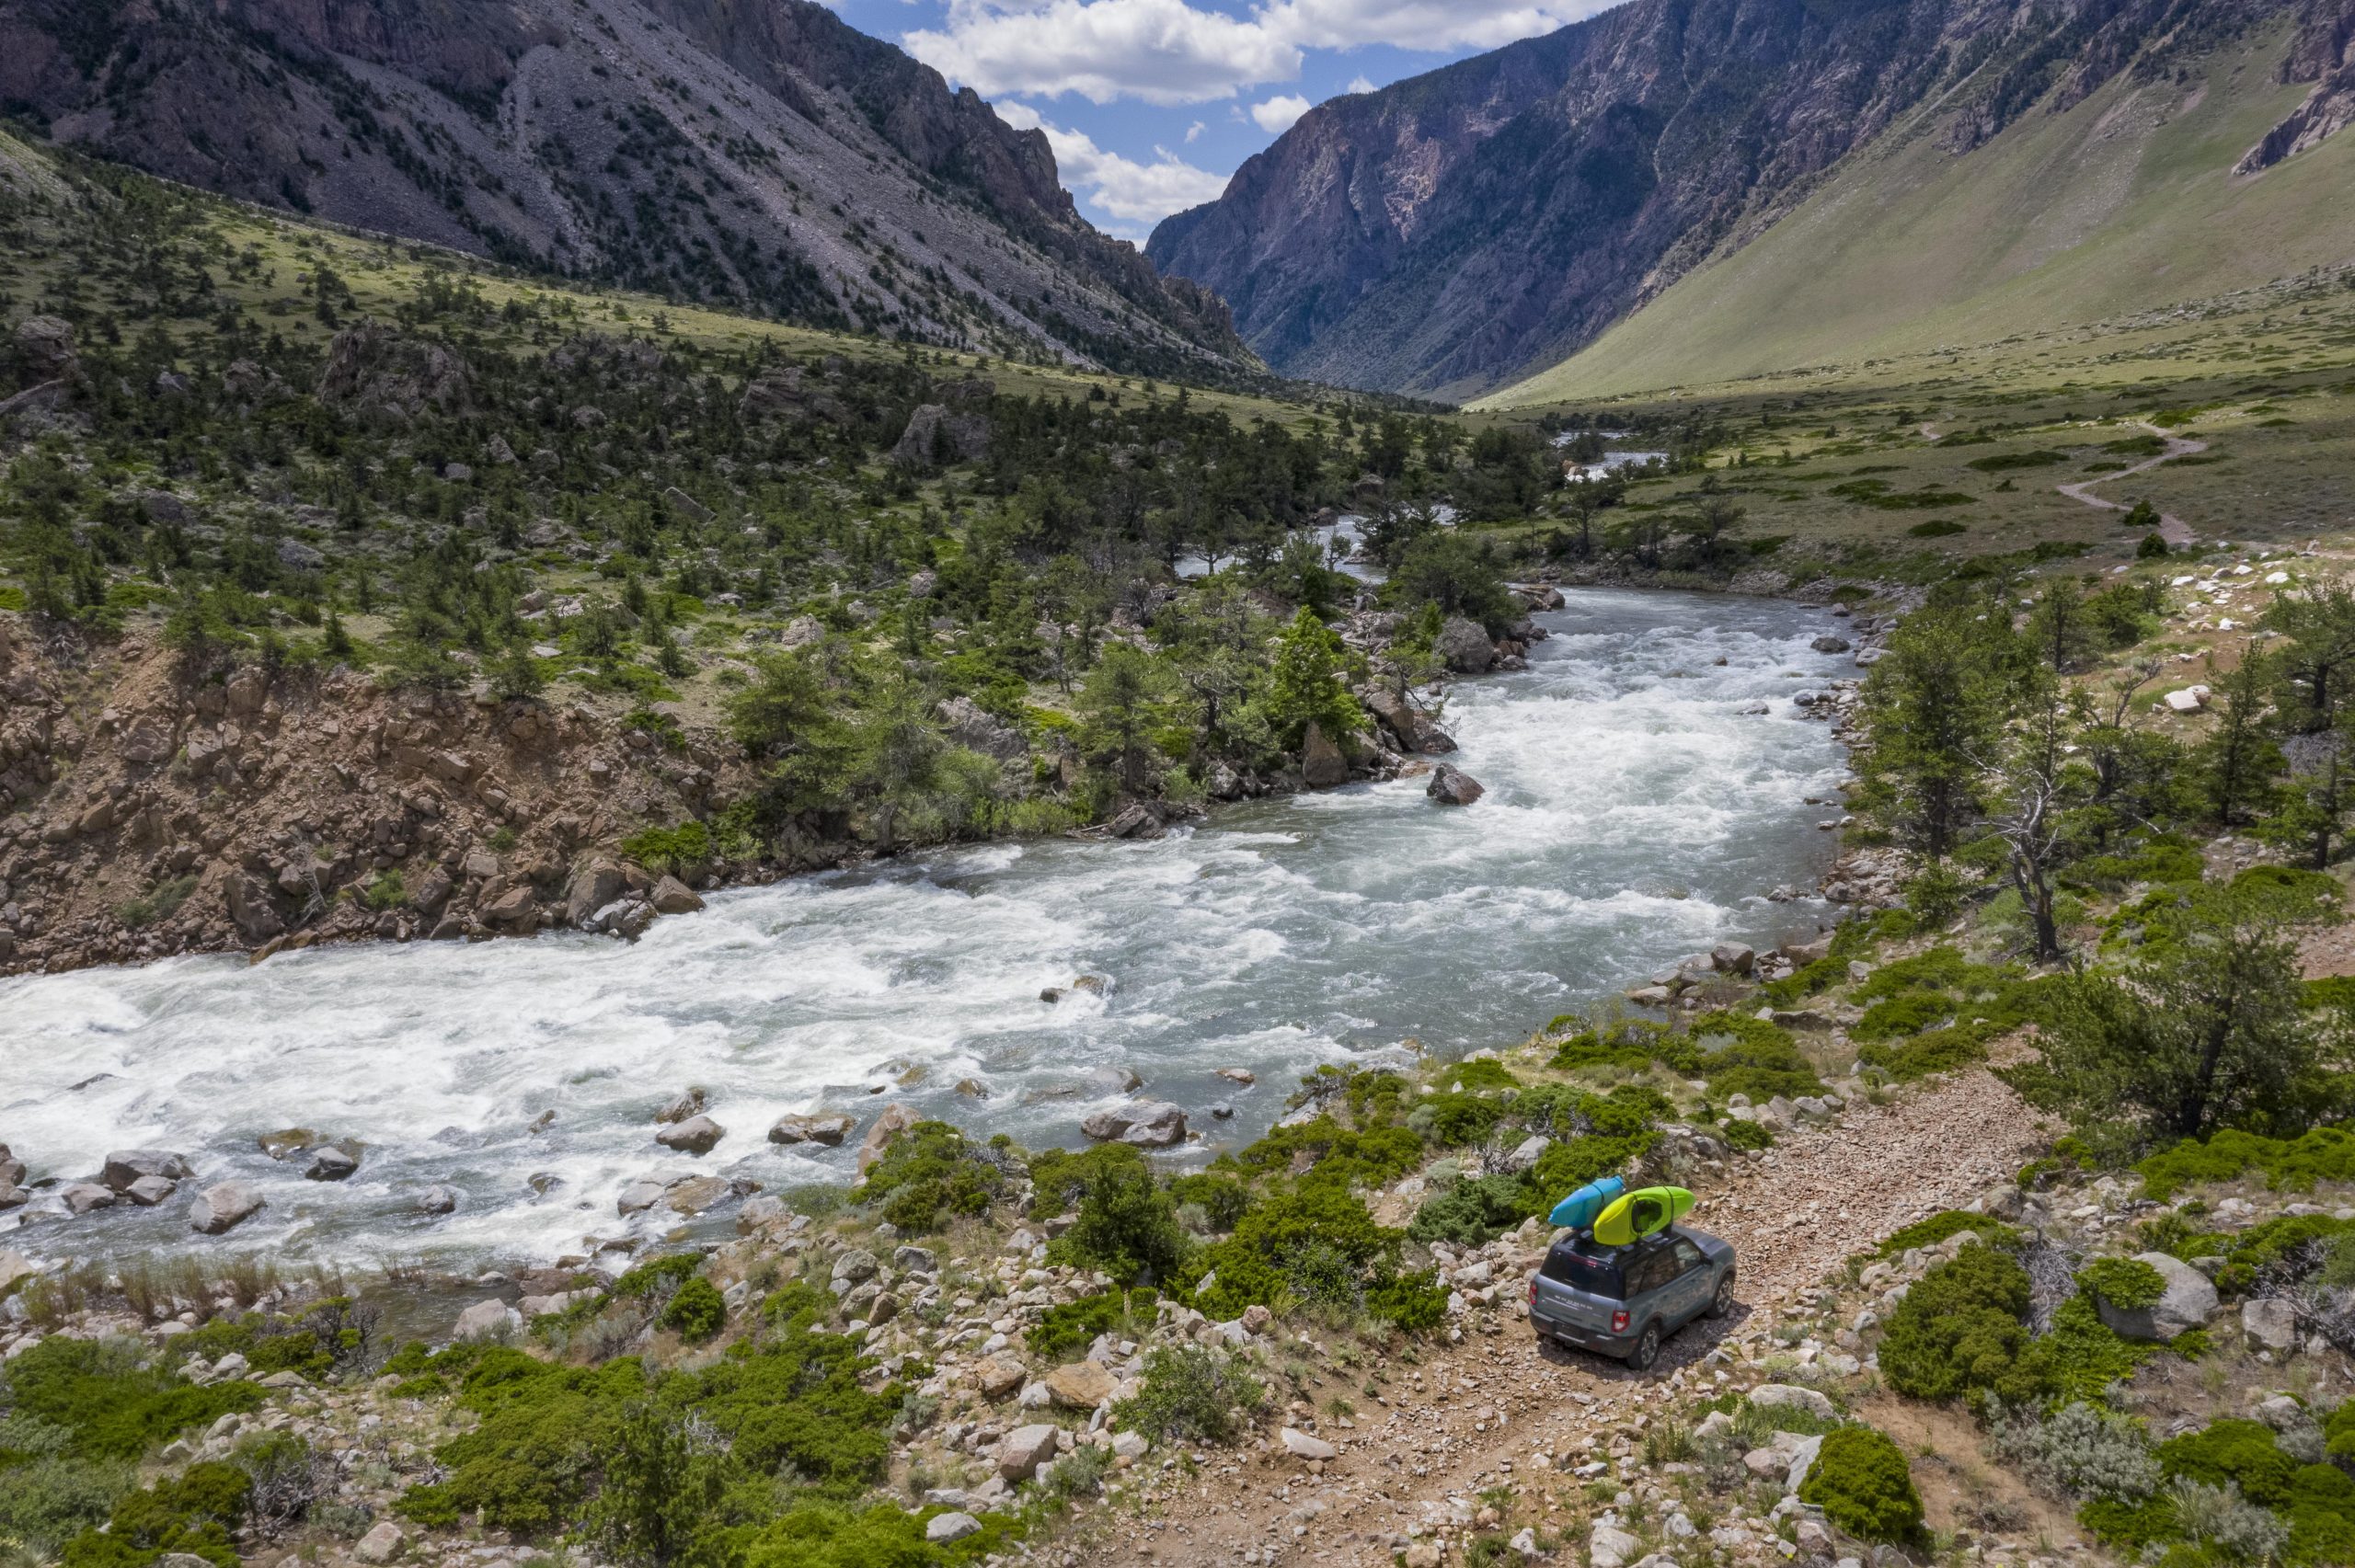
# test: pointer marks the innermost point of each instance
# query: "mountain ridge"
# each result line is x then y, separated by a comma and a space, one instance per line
767, 157
1511, 208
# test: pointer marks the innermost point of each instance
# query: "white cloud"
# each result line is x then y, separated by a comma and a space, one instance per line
1194, 132
1360, 83
1139, 194
1165, 52
1169, 51
1277, 114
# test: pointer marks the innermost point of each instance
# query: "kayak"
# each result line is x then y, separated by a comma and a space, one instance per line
1647, 1211
1579, 1209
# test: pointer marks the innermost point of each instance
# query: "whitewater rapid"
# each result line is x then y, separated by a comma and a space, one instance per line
1635, 812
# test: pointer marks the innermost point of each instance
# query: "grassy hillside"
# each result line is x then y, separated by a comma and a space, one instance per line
2125, 203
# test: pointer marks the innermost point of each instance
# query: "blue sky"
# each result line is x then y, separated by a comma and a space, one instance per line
1150, 104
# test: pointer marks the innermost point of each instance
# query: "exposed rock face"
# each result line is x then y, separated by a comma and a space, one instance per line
379, 373
1449, 234
935, 437
800, 1128
571, 137
1322, 764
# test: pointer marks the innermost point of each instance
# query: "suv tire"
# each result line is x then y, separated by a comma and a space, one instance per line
1647, 1350
1722, 1302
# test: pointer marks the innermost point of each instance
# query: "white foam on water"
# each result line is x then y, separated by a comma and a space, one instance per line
1634, 815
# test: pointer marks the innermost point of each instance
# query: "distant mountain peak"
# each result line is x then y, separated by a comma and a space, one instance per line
763, 156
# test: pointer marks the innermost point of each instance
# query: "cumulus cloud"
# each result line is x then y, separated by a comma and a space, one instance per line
1164, 52
1170, 52
1277, 114
1138, 194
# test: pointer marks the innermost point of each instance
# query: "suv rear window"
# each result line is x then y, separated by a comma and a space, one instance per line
1596, 1276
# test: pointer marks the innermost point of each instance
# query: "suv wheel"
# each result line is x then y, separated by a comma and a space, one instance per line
1646, 1349
1722, 1303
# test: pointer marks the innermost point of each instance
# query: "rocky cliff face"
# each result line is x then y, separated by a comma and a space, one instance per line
1449, 233
766, 156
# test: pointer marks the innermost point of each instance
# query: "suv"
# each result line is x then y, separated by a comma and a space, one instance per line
1623, 1301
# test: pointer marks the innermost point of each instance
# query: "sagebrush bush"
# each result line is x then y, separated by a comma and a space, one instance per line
930, 1175
2218, 1517
1860, 1480
2081, 1451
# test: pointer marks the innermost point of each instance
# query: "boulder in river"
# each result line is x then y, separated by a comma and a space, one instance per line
81, 1198
331, 1164
682, 1109
1149, 1124
672, 896
221, 1207
149, 1191
125, 1166
802, 1127
1322, 765
594, 885
438, 1201
1450, 785
696, 1134
1464, 648
1830, 643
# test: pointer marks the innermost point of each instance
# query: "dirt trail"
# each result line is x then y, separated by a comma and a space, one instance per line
2173, 528
1485, 1406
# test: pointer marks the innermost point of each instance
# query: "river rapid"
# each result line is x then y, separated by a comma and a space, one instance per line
1635, 813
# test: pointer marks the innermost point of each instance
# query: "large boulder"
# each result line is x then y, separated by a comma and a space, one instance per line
125, 1166
45, 345
802, 1127
2271, 1323
593, 886
970, 724
1024, 1448
1082, 1385
1450, 785
672, 896
935, 437
220, 1208
1397, 716
1152, 1125
2187, 1301
696, 1134
1464, 647
1322, 764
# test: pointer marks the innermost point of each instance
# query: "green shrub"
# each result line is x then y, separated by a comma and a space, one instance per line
2128, 1283
929, 1175
1471, 1213
1940, 1050
1414, 1304
1939, 1226
818, 1534
2086, 1355
660, 850
2324, 1154
193, 1512
1860, 1480
697, 1311
1127, 1225
1961, 1331
1742, 1136
1907, 1014
1190, 1394
113, 1402
1063, 1333
1743, 1054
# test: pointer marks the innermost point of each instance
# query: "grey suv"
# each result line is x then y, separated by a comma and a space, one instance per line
1623, 1301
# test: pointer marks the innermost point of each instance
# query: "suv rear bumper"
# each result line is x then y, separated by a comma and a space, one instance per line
1602, 1342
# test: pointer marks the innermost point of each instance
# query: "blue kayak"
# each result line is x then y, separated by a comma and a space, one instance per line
1578, 1210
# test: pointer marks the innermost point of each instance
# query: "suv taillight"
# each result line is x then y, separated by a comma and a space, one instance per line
1532, 1290
1619, 1321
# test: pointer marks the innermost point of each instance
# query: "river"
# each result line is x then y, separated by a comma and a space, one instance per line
1635, 813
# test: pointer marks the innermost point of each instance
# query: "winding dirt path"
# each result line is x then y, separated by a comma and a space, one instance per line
2174, 529
1466, 1415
